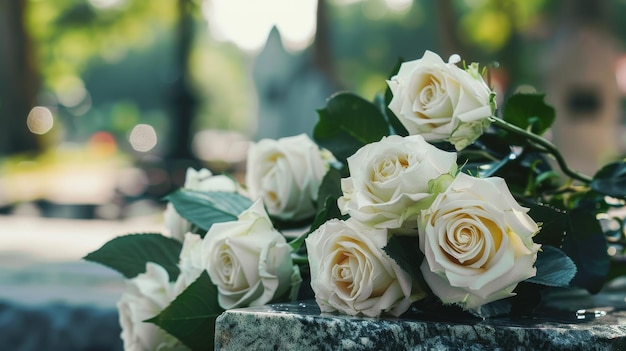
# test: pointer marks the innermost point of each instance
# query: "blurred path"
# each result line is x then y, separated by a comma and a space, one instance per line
40, 259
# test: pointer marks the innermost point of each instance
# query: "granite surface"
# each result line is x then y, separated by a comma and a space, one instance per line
300, 326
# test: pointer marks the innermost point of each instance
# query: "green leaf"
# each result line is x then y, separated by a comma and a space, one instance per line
330, 186
328, 211
617, 270
347, 123
396, 126
407, 254
204, 208
585, 243
529, 111
579, 235
327, 195
191, 316
129, 254
553, 223
493, 309
554, 268
611, 180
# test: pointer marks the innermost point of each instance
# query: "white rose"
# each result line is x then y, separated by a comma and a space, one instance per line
351, 273
145, 297
389, 180
248, 260
477, 242
287, 173
202, 180
192, 260
438, 99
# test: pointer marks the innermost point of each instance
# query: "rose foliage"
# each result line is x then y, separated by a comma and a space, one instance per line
430, 193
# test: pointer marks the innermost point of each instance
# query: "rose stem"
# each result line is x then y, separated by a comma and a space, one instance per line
548, 146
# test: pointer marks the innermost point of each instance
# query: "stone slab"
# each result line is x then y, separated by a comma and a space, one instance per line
301, 326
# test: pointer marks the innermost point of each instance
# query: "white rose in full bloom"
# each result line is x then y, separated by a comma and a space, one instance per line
145, 297
392, 180
441, 101
287, 173
202, 180
248, 260
477, 241
351, 273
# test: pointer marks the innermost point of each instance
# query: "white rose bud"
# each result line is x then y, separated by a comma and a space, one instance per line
287, 173
248, 260
477, 242
392, 180
145, 297
351, 273
441, 101
202, 180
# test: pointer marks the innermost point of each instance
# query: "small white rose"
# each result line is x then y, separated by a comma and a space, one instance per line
351, 273
248, 260
192, 260
389, 181
477, 242
145, 297
438, 100
286, 174
202, 180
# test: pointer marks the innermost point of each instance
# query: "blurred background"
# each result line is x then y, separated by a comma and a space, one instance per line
105, 103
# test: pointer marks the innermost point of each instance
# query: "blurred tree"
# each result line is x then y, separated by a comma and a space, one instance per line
19, 80
502, 31
179, 155
81, 42
322, 50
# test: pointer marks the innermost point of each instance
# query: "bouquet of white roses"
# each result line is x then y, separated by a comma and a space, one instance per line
423, 197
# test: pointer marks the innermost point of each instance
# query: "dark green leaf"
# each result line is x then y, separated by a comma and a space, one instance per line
396, 126
611, 180
407, 254
493, 309
554, 268
191, 316
331, 186
553, 223
347, 123
328, 211
488, 170
129, 254
529, 111
618, 269
527, 297
546, 177
204, 208
585, 243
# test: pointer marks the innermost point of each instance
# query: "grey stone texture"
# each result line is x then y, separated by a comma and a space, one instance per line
301, 326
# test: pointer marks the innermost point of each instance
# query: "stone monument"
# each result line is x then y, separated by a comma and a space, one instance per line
290, 89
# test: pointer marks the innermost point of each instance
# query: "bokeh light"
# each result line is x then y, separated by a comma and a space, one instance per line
71, 91
102, 144
40, 120
143, 138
